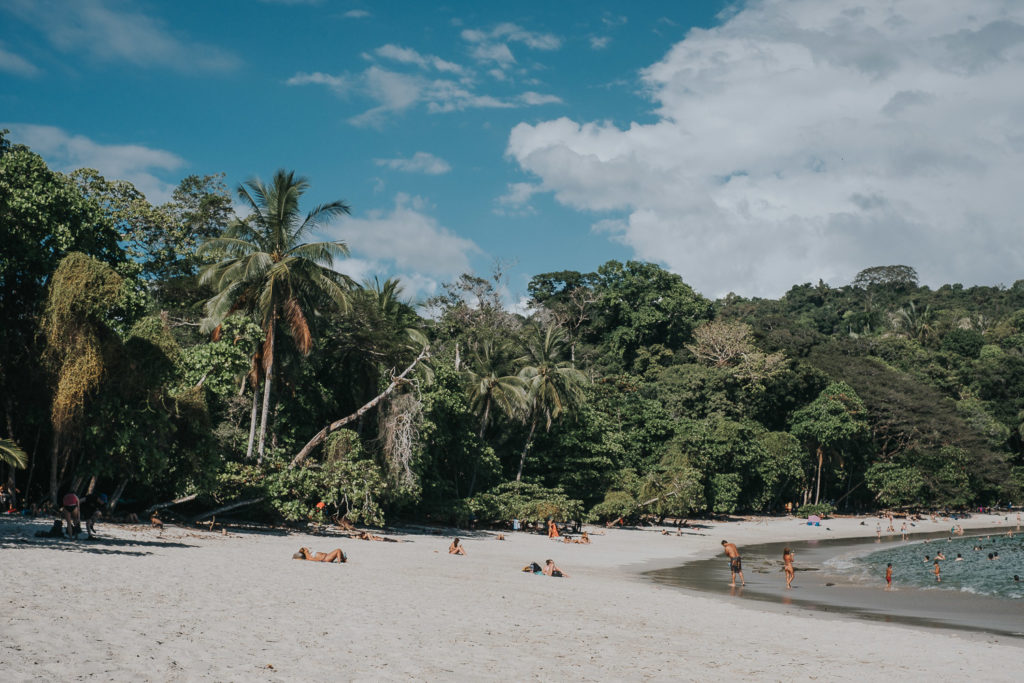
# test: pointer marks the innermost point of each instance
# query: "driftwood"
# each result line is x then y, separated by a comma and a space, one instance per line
338, 424
225, 508
176, 501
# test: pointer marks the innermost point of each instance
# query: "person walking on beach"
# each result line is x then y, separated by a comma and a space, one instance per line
787, 566
888, 577
938, 572
903, 530
735, 563
878, 530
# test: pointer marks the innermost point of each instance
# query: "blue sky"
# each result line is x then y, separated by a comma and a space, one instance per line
747, 146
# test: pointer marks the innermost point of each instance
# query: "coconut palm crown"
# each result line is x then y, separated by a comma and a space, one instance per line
264, 268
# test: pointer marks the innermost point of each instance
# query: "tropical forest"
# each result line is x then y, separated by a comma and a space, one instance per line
208, 354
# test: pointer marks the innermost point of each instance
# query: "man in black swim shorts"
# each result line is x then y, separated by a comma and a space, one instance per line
735, 563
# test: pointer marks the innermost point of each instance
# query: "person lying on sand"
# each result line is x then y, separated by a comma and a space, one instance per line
334, 556
455, 548
551, 569
584, 538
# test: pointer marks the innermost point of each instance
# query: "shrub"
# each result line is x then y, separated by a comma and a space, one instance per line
823, 510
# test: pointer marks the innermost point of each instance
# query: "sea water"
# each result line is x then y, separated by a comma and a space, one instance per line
974, 573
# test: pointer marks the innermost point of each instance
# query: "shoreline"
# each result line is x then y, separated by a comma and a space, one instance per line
137, 604
820, 587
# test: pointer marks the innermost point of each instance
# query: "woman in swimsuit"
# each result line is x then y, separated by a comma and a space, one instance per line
787, 559
334, 556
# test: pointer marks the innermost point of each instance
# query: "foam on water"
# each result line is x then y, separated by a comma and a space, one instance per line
975, 573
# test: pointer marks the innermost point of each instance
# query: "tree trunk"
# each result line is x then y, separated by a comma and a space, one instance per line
319, 437
476, 461
32, 464
53, 468
117, 495
817, 488
252, 422
526, 447
160, 506
457, 363
267, 381
225, 508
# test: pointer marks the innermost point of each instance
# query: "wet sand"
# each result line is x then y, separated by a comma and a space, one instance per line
818, 586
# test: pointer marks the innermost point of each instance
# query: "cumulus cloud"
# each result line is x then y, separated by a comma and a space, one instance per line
406, 239
802, 140
15, 64
599, 42
421, 162
67, 152
107, 33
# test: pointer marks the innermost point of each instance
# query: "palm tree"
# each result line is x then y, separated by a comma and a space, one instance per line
12, 454
487, 387
554, 386
266, 270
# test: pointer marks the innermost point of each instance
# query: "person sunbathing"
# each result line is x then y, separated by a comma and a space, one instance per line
551, 569
455, 548
584, 538
334, 556
367, 536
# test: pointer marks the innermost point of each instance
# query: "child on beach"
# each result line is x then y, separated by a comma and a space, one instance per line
938, 572
888, 577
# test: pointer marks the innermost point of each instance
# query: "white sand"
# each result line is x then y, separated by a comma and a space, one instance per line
184, 605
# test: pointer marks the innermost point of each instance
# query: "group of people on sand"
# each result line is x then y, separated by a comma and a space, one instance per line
455, 548
73, 510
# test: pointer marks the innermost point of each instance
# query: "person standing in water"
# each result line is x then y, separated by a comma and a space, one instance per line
735, 563
888, 577
903, 530
787, 566
938, 572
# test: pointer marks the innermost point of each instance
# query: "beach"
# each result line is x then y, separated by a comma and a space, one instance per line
185, 604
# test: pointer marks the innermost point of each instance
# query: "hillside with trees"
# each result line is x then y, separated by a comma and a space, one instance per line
182, 352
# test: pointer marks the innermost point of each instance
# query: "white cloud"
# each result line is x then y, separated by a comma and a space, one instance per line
421, 162
356, 14
493, 52
536, 41
338, 84
66, 152
516, 200
599, 42
536, 98
404, 239
97, 29
407, 55
802, 140
14, 64
492, 46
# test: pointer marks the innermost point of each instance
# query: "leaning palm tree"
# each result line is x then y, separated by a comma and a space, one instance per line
554, 387
487, 387
12, 454
264, 268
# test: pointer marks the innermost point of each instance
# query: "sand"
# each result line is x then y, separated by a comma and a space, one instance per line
187, 605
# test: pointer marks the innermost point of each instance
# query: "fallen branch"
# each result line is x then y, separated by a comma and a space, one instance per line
338, 424
225, 508
184, 499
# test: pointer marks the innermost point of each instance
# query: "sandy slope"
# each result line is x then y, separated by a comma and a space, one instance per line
186, 605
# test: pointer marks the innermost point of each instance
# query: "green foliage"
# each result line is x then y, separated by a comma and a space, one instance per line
525, 501
725, 492
823, 510
12, 454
